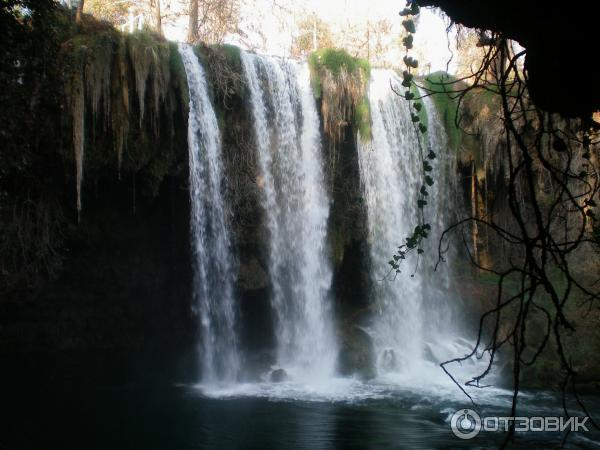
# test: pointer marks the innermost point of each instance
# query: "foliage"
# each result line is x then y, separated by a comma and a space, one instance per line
215, 20
419, 120
550, 191
336, 60
446, 105
223, 67
113, 11
341, 82
30, 216
312, 27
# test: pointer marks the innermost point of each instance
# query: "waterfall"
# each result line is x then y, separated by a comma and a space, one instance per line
410, 304
213, 260
287, 131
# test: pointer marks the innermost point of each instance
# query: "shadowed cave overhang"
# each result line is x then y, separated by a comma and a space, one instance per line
560, 44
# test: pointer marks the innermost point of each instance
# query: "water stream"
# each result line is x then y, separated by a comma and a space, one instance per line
287, 131
213, 260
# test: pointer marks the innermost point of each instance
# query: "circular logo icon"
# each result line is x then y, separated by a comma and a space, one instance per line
465, 424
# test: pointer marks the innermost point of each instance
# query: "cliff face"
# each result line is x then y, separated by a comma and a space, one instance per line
481, 147
95, 259
112, 276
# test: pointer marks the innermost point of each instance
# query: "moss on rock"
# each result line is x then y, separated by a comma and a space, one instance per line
134, 93
341, 81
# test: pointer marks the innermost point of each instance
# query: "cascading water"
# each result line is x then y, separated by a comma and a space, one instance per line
442, 210
410, 304
211, 238
286, 126
389, 167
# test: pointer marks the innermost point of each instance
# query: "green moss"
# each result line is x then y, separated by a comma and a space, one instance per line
345, 80
362, 119
446, 104
477, 104
107, 63
233, 54
178, 75
334, 60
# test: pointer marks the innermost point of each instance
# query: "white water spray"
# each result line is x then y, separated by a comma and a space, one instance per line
214, 262
413, 314
287, 130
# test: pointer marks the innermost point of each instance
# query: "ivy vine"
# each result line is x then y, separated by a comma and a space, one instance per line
421, 231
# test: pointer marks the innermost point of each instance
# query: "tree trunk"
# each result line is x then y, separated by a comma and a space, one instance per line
193, 24
156, 16
79, 12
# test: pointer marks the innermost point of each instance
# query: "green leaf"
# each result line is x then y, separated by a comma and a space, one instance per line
409, 95
423, 128
431, 155
424, 191
421, 203
414, 8
428, 180
408, 41
427, 167
406, 12
411, 62
418, 106
409, 25
414, 118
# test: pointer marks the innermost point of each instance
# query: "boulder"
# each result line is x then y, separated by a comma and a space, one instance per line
357, 354
251, 275
279, 375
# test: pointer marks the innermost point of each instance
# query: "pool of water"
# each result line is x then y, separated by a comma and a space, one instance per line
337, 414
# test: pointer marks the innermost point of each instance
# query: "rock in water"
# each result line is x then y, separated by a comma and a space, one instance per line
356, 356
279, 375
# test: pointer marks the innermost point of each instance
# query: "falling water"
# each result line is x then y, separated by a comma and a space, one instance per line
443, 209
286, 126
408, 305
213, 259
389, 167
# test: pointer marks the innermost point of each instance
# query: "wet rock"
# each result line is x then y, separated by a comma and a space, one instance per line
279, 375
251, 275
389, 360
356, 355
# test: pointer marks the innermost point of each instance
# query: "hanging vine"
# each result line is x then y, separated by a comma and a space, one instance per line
421, 230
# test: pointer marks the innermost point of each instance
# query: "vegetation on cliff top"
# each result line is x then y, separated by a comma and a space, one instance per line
465, 119
123, 92
341, 82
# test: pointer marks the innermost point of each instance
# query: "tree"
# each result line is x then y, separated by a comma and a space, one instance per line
314, 34
115, 12
193, 22
79, 13
156, 15
211, 20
